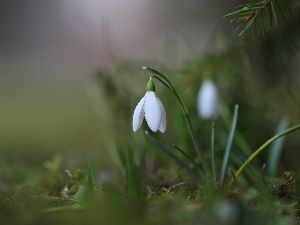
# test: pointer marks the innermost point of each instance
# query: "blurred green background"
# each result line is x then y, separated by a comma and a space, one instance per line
50, 52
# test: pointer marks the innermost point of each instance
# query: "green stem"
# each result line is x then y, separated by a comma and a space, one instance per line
169, 85
175, 158
261, 148
186, 156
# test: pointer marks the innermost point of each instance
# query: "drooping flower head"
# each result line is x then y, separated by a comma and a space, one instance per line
208, 100
152, 109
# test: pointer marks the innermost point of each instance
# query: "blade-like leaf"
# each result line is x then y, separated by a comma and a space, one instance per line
270, 17
254, 28
263, 26
279, 7
261, 148
186, 156
274, 13
229, 143
287, 5
276, 148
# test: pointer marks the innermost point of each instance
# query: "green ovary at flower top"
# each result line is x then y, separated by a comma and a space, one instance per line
152, 109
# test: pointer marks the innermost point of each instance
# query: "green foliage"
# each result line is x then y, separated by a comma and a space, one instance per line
248, 14
276, 148
229, 143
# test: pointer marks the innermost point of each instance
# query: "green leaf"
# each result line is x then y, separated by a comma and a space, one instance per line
261, 148
263, 26
287, 5
254, 28
229, 143
248, 25
278, 6
276, 148
270, 17
186, 156
274, 13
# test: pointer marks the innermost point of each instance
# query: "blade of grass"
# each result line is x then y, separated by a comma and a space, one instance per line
186, 156
276, 148
287, 5
278, 6
270, 17
274, 13
254, 29
263, 25
175, 158
229, 143
261, 148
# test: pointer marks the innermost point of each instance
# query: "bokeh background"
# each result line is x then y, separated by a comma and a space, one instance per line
54, 54
48, 50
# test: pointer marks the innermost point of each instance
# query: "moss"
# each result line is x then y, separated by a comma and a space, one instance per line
284, 187
235, 194
50, 201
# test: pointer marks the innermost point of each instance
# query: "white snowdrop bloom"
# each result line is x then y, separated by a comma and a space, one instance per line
208, 101
152, 109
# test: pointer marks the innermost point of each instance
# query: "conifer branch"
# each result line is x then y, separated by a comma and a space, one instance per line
247, 14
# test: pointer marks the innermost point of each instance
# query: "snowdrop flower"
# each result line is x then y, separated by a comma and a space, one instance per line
152, 109
208, 102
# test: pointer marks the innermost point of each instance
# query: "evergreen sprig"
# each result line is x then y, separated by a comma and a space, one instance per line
247, 14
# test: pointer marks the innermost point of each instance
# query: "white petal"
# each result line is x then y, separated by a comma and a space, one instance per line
153, 113
138, 115
207, 102
163, 125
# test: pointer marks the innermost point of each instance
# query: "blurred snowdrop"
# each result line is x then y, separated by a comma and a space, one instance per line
208, 101
152, 109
